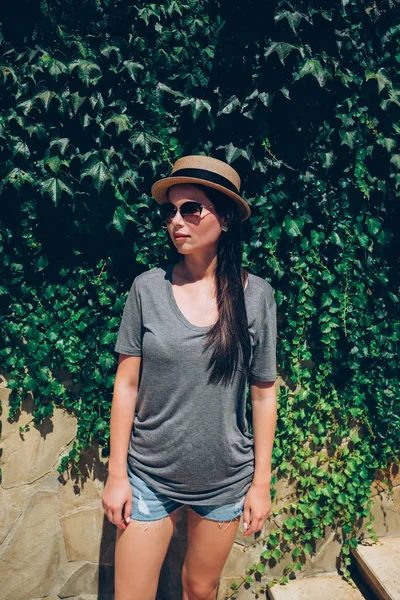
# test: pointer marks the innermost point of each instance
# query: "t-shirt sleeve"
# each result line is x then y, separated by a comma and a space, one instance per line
263, 364
129, 339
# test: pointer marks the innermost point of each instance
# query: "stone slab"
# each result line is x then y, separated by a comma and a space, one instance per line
33, 455
327, 586
29, 559
379, 564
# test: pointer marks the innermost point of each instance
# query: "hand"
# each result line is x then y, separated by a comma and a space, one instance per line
258, 501
117, 500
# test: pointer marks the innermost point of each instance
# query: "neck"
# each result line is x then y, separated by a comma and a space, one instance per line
195, 268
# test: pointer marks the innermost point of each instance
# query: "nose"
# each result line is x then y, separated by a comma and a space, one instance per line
177, 216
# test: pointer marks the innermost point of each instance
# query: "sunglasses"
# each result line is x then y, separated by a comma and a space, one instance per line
190, 211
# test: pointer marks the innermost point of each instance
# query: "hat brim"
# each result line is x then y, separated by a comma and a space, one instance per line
160, 187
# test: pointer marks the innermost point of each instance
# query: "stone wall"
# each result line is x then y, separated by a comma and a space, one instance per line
56, 543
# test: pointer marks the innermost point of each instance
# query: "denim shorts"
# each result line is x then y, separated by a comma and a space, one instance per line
149, 505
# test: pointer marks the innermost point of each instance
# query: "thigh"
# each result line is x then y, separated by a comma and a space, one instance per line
140, 551
209, 544
141, 547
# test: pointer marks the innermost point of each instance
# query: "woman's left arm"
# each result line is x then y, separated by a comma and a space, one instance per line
258, 497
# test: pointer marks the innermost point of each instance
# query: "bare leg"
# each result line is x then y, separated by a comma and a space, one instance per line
140, 551
209, 544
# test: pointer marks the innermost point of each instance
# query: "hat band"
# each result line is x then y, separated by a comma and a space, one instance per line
207, 175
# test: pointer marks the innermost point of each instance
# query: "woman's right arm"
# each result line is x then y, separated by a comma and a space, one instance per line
117, 495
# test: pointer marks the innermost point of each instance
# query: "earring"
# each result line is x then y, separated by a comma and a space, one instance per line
224, 228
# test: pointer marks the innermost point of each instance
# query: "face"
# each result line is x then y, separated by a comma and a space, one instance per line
203, 232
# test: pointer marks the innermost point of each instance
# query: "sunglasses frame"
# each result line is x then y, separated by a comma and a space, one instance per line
168, 219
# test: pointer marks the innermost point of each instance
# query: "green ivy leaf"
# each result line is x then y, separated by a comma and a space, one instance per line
197, 105
293, 18
119, 219
121, 122
342, 498
61, 143
283, 50
99, 173
308, 549
133, 67
261, 567
145, 140
55, 187
129, 176
348, 137
335, 239
88, 71
230, 106
18, 177
77, 101
232, 153
313, 67
277, 554
290, 523
293, 227
382, 78
46, 97
396, 160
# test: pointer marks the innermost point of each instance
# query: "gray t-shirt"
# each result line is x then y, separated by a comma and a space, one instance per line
190, 439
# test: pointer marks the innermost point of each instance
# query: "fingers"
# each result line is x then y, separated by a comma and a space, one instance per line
117, 502
246, 517
117, 517
127, 511
254, 525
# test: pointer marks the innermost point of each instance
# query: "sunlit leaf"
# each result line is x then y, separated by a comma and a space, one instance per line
282, 49
98, 171
197, 105
144, 139
54, 187
313, 67
119, 219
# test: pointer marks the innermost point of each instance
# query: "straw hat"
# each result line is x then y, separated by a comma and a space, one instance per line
207, 171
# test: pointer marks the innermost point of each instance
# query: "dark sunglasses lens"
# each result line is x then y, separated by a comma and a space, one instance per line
167, 211
190, 209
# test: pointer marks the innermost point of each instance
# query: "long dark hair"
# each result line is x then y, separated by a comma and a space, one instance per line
229, 337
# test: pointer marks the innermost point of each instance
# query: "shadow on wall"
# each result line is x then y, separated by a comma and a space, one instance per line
59, 519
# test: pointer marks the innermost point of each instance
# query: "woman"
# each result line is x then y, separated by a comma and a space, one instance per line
192, 335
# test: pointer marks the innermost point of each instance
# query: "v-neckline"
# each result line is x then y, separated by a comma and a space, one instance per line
168, 271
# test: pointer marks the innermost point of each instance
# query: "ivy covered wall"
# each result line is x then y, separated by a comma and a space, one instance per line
99, 98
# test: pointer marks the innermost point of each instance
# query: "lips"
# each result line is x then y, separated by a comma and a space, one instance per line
180, 236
